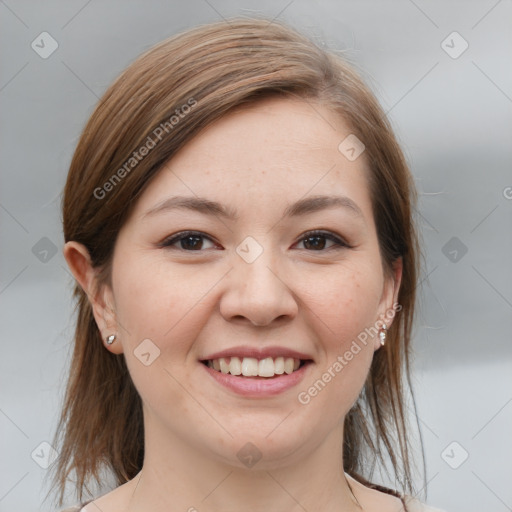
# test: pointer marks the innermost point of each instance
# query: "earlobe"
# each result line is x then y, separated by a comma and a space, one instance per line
389, 301
392, 287
79, 262
398, 267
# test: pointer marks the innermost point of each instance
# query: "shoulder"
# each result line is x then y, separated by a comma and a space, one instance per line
117, 499
377, 497
414, 505
76, 508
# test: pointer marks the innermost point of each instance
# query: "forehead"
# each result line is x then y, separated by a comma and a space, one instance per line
276, 150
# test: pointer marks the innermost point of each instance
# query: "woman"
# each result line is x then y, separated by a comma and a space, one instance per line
237, 216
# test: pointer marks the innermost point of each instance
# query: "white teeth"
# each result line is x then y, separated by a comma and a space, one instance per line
249, 367
224, 366
279, 365
252, 367
235, 366
266, 367
288, 365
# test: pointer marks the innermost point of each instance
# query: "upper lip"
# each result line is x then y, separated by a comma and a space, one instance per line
257, 353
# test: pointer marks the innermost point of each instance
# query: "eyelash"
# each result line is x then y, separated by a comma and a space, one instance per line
339, 242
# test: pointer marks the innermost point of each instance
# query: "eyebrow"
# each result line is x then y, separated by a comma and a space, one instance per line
304, 206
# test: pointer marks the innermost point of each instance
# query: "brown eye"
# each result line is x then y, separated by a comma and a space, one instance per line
317, 241
188, 241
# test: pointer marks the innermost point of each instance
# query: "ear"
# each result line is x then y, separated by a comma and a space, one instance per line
388, 305
101, 298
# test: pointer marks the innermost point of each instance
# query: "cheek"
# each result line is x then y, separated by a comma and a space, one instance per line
153, 303
158, 314
345, 307
347, 301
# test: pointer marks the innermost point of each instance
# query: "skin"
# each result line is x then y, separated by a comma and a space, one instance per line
192, 303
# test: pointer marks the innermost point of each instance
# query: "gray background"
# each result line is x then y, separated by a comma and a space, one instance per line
452, 116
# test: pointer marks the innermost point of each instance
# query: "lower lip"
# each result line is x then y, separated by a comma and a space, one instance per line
255, 387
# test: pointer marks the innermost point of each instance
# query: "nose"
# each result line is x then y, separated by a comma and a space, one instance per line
257, 292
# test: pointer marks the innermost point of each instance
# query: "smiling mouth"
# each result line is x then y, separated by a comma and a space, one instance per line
251, 367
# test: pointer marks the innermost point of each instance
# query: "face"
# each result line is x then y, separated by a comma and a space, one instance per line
264, 277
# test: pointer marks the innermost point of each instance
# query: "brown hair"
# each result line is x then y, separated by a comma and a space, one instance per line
180, 86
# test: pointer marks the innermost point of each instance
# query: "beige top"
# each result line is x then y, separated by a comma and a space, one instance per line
414, 505
411, 505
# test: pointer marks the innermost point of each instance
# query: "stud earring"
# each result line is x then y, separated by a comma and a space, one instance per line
382, 335
110, 339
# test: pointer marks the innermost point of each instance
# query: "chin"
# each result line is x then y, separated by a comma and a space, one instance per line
265, 446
